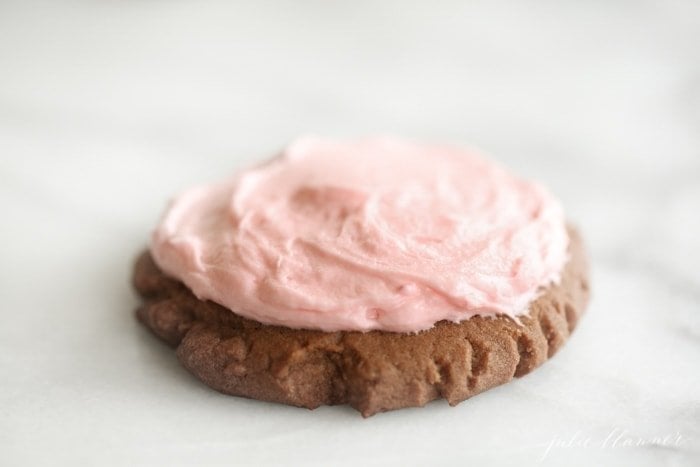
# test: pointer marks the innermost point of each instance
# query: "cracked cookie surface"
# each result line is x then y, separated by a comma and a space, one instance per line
372, 372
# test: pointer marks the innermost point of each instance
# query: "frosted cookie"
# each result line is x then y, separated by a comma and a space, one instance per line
377, 273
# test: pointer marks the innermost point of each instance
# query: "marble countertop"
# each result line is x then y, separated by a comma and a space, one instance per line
108, 108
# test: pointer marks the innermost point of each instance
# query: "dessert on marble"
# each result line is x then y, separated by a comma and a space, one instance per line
378, 273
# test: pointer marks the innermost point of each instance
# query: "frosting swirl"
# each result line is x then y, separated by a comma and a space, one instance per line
370, 234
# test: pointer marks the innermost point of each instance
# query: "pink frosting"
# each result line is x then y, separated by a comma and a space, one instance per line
371, 234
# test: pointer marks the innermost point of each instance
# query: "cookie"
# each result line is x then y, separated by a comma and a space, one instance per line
372, 371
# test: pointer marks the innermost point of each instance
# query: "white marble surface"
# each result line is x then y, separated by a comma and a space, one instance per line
107, 108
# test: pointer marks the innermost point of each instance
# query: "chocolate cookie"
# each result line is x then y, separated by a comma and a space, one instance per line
374, 371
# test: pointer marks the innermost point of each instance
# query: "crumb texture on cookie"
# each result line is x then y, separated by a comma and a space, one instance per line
374, 371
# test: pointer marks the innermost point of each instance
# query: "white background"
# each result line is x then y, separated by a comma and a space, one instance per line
107, 108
